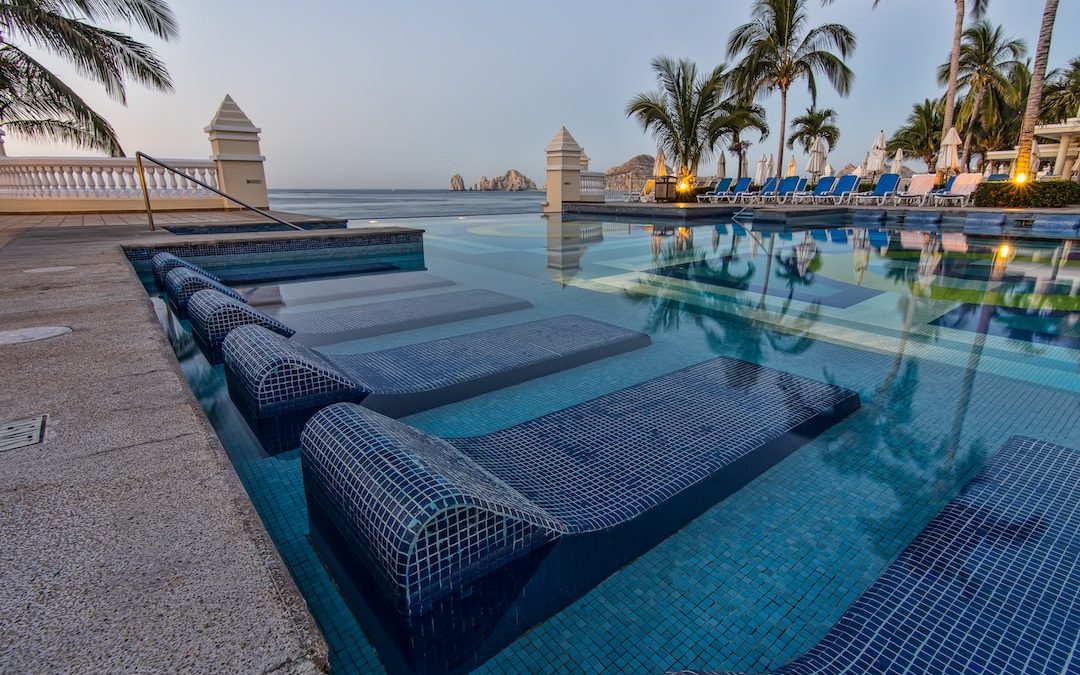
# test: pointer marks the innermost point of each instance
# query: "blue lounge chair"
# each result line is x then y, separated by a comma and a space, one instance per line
884, 189
741, 186
845, 186
721, 189
961, 192
823, 188
819, 235
878, 238
768, 188
838, 236
785, 189
942, 190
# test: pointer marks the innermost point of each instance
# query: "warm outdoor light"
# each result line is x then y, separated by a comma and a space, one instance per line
1021, 178
683, 186
1004, 250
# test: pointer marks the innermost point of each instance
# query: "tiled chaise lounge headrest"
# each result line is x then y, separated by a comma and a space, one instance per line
214, 315
1056, 222
421, 516
163, 263
274, 376
182, 283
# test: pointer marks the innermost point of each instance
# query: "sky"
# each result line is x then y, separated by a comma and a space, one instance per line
403, 95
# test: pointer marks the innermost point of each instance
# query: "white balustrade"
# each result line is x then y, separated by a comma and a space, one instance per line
101, 178
592, 186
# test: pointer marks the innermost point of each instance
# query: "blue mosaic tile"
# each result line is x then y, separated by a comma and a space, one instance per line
181, 283
990, 586
607, 479
214, 315
1064, 223
163, 263
404, 380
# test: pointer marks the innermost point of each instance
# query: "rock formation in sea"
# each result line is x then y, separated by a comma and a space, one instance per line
512, 181
630, 175
483, 184
457, 183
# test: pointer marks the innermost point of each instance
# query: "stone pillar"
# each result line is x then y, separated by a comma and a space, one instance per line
1062, 155
584, 160
563, 171
234, 141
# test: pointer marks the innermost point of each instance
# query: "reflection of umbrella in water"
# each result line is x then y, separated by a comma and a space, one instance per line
804, 254
660, 166
860, 242
929, 260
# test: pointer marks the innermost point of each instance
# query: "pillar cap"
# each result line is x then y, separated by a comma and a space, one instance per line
563, 142
230, 118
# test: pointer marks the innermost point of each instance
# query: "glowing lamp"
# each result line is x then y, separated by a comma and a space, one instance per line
1021, 178
683, 186
1004, 250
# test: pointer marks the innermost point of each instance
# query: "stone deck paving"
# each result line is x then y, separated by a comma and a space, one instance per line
128, 542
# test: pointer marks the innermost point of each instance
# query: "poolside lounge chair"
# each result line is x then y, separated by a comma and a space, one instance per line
961, 191
917, 191
787, 187
823, 188
648, 191
582, 475
214, 315
721, 189
740, 187
989, 585
884, 189
845, 186
278, 383
768, 188
942, 190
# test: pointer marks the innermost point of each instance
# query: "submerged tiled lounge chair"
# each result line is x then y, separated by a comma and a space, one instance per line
163, 263
182, 282
214, 315
1056, 222
278, 383
426, 517
990, 586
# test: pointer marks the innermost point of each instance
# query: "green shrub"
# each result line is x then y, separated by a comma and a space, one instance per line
1038, 194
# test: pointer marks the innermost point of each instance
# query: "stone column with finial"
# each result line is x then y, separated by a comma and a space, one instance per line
563, 171
234, 141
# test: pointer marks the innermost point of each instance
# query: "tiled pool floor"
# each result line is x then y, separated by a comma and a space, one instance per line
759, 578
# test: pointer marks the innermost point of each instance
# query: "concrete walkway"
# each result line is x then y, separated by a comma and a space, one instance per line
128, 543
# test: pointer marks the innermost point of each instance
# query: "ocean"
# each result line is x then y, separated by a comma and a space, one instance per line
367, 204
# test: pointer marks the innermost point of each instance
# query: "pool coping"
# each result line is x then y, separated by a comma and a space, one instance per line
158, 557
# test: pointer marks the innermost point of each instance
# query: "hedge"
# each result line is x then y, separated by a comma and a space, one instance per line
1038, 194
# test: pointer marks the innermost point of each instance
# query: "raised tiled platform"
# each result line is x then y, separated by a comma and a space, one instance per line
214, 317
990, 586
279, 383
607, 479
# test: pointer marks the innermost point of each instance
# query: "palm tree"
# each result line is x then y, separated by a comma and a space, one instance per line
1061, 95
66, 30
921, 133
779, 50
684, 114
978, 9
1003, 112
742, 116
986, 56
1038, 74
814, 124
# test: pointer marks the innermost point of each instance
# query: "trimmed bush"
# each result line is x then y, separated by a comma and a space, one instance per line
1037, 194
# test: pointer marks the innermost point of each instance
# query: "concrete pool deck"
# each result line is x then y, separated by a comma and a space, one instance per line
129, 542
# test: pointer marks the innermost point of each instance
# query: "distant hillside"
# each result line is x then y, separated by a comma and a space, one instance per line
630, 175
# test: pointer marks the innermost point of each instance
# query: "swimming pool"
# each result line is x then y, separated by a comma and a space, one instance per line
954, 342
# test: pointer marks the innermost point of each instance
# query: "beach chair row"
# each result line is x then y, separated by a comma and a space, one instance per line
958, 191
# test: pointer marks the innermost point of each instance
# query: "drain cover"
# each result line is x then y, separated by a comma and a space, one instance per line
46, 270
21, 433
20, 335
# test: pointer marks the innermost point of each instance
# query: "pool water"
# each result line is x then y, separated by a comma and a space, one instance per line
954, 343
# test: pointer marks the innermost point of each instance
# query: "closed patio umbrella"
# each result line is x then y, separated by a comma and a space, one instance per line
791, 169
897, 162
770, 171
816, 163
744, 168
875, 159
762, 168
828, 170
660, 166
721, 166
949, 155
1035, 156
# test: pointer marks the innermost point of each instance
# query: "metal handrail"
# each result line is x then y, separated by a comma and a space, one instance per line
139, 156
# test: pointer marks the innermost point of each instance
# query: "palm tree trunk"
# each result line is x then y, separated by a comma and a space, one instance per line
783, 130
1038, 75
954, 67
975, 107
